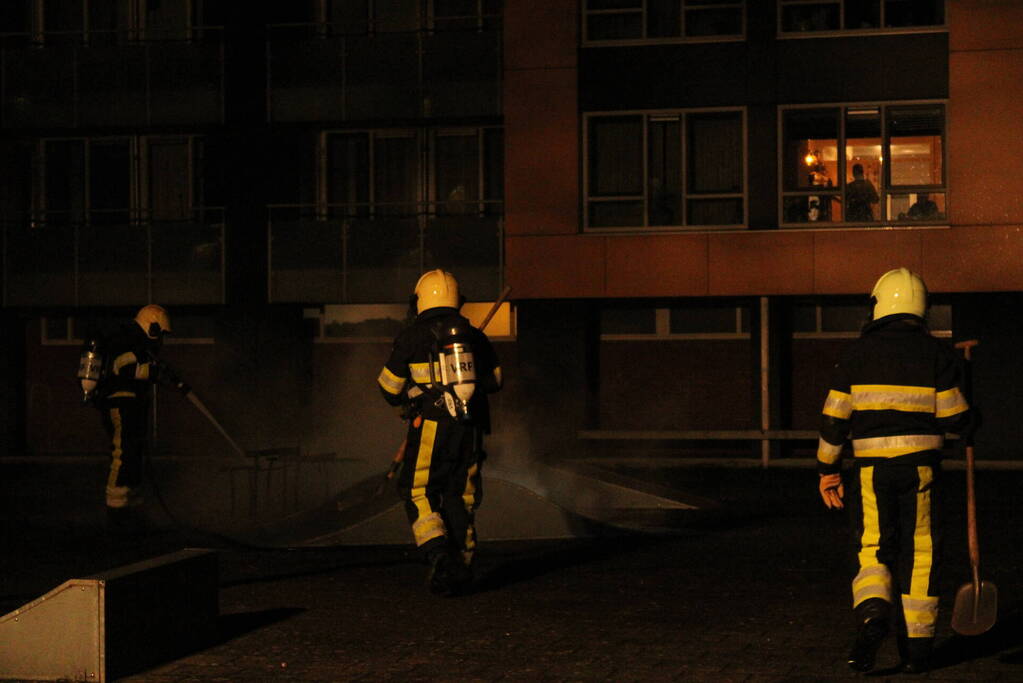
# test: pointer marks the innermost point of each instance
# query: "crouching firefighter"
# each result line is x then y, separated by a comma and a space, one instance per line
116, 374
439, 373
895, 392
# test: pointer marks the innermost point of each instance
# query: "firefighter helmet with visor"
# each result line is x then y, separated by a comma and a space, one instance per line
153, 320
899, 291
436, 288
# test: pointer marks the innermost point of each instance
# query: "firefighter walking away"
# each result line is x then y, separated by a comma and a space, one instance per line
116, 374
895, 392
439, 374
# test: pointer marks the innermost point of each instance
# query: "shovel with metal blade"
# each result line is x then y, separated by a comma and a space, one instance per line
976, 604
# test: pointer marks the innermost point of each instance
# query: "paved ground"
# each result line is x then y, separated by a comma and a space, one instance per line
757, 591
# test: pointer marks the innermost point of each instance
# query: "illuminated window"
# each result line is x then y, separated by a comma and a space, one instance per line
624, 21
864, 164
665, 170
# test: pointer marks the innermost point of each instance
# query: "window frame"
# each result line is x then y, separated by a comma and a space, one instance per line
886, 188
425, 139
138, 172
586, 41
782, 34
662, 329
820, 333
649, 115
71, 340
474, 311
135, 28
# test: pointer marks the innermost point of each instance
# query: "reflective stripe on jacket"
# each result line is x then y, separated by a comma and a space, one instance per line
894, 394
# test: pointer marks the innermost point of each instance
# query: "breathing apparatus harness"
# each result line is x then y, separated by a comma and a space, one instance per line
451, 356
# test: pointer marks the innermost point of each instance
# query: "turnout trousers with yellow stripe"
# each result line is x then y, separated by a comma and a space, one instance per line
897, 535
440, 483
125, 421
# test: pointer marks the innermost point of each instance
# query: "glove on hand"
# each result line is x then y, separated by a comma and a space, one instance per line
832, 490
166, 375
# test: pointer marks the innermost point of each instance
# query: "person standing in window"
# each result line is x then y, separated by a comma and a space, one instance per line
924, 208
860, 196
894, 395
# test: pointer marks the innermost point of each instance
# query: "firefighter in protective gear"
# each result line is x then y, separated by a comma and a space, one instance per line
895, 392
439, 373
123, 399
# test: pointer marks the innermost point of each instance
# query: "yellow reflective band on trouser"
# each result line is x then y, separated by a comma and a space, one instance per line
469, 494
893, 397
828, 453
117, 447
428, 524
142, 371
428, 528
921, 609
117, 496
894, 446
838, 404
921, 615
950, 402
390, 382
874, 580
469, 500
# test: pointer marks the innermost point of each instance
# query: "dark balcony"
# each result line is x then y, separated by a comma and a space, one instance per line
112, 82
109, 259
348, 254
409, 75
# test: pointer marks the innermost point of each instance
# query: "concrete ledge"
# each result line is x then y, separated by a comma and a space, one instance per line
111, 624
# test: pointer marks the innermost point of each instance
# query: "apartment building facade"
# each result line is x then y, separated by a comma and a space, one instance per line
668, 187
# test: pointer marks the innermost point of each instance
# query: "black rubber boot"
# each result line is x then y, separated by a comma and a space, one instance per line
461, 575
873, 617
439, 579
917, 655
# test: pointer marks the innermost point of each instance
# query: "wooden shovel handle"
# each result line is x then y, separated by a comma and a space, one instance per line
493, 309
971, 514
966, 345
971, 497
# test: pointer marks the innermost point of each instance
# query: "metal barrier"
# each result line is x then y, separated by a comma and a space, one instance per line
314, 74
112, 258
374, 254
118, 79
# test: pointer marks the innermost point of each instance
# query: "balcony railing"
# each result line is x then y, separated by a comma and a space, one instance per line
109, 258
375, 254
109, 79
316, 76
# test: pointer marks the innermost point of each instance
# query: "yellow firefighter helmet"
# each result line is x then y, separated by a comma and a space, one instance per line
153, 320
899, 291
436, 288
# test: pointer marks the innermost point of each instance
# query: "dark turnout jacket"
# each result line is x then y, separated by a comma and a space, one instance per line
894, 394
131, 364
409, 365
